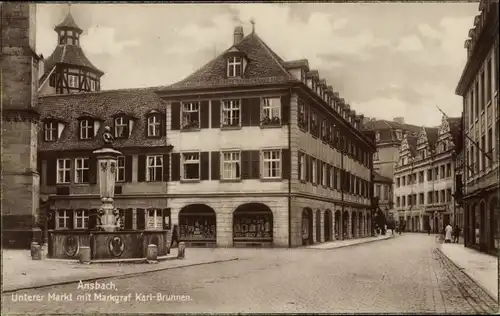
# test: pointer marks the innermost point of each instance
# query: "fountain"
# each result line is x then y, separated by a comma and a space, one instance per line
107, 241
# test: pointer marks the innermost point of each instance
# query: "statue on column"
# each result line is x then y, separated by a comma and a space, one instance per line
107, 137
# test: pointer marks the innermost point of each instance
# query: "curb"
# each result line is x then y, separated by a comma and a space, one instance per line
491, 295
121, 276
350, 245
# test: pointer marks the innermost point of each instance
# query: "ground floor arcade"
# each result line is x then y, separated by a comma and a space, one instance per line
421, 220
226, 221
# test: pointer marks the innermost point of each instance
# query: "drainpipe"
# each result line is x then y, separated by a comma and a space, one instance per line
290, 173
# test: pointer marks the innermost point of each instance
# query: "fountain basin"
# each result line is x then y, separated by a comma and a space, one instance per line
104, 245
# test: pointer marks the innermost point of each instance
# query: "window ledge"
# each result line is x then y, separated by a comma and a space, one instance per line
230, 180
230, 128
190, 129
189, 180
271, 126
271, 179
50, 140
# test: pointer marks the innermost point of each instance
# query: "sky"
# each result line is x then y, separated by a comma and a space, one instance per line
385, 59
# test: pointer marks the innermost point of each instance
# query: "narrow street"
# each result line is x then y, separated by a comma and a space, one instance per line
401, 275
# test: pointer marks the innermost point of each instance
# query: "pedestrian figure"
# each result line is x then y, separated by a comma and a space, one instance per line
456, 234
447, 234
175, 237
428, 229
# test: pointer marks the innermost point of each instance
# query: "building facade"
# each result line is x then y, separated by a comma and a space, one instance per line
382, 191
478, 85
250, 150
425, 178
20, 179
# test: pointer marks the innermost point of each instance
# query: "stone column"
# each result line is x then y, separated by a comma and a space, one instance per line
107, 166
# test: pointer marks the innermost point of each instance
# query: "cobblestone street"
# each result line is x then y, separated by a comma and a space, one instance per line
403, 274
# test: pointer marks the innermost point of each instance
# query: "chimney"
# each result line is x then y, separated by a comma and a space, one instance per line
400, 120
238, 34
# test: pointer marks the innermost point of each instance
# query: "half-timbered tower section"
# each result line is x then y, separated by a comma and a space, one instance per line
257, 143
68, 70
71, 126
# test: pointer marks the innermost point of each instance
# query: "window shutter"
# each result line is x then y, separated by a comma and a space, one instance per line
254, 164
141, 219
204, 165
166, 218
128, 168
215, 163
285, 109
141, 168
51, 172
128, 219
245, 112
163, 125
93, 170
215, 113
299, 167
175, 166
328, 171
175, 118
92, 219
166, 167
245, 164
71, 215
204, 114
51, 219
255, 111
307, 171
285, 163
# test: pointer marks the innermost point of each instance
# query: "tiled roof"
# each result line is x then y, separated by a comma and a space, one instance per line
387, 129
68, 22
377, 177
69, 54
264, 67
103, 104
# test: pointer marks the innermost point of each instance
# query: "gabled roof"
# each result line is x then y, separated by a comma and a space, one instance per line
432, 136
69, 23
377, 177
264, 67
103, 104
412, 144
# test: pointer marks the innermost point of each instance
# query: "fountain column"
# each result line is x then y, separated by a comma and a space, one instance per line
107, 164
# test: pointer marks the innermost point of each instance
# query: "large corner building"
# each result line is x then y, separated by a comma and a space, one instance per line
249, 150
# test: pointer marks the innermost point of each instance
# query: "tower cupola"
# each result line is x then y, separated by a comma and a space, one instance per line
68, 31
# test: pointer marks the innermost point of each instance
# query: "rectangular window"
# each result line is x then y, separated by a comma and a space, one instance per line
190, 115
81, 219
483, 156
403, 180
92, 85
231, 165
476, 101
72, 81
398, 201
398, 182
471, 107
271, 111
429, 197
436, 173
429, 175
155, 217
314, 171
443, 172
154, 122
121, 220
421, 200
271, 164
234, 66
121, 127
50, 129
63, 171
483, 95
302, 119
314, 124
231, 113
436, 196
302, 163
324, 177
324, 134
443, 196
403, 201
86, 129
448, 195
191, 166
154, 168
489, 148
378, 190
448, 170
63, 219
81, 170
120, 170
332, 177
487, 82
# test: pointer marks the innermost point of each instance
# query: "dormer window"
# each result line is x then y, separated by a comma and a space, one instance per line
234, 66
377, 136
399, 135
50, 131
121, 127
86, 129
154, 124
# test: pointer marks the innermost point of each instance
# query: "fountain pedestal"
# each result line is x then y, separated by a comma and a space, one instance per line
107, 160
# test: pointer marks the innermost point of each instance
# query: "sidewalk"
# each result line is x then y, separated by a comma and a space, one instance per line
480, 267
346, 243
20, 272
